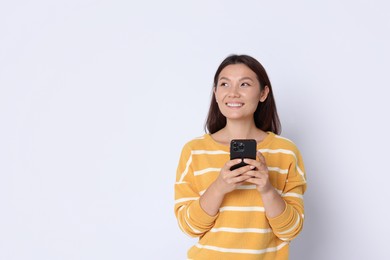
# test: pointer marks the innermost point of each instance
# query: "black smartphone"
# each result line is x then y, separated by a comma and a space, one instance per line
242, 148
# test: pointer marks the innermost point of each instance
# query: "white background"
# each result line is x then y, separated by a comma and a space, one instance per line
97, 99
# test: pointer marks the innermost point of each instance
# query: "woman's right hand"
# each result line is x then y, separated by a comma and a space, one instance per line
228, 180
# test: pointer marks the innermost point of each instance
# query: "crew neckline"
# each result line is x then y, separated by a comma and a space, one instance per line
262, 143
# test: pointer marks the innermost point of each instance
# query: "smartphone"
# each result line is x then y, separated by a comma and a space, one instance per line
242, 148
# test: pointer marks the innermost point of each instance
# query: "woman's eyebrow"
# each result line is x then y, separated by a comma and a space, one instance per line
246, 78
241, 79
223, 78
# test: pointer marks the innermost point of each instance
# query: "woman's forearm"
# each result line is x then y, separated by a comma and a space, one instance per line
273, 203
211, 200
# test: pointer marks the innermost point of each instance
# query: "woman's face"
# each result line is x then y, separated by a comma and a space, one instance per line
238, 92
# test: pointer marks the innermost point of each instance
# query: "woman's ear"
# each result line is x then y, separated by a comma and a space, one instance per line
264, 94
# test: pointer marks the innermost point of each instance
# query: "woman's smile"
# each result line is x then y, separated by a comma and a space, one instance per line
234, 104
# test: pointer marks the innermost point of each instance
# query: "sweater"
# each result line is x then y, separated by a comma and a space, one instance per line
241, 229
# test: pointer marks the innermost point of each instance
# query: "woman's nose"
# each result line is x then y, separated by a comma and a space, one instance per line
234, 91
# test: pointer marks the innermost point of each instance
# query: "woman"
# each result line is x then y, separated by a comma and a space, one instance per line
252, 212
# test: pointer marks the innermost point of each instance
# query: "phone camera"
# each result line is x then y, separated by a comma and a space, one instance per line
238, 146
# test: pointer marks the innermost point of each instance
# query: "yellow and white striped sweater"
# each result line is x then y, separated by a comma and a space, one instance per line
241, 229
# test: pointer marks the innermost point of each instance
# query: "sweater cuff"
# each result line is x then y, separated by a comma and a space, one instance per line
283, 219
200, 215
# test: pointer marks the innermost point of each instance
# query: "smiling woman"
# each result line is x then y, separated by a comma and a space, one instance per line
252, 73
254, 211
238, 92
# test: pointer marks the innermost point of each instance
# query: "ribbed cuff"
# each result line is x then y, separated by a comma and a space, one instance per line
200, 215
283, 219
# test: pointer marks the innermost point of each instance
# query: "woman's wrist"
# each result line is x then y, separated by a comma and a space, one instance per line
273, 203
268, 190
211, 199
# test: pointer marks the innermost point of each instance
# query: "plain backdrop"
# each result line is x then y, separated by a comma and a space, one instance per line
97, 99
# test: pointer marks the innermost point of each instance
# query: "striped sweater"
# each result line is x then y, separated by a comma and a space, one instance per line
241, 229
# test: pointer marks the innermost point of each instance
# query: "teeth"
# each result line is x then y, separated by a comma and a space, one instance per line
234, 104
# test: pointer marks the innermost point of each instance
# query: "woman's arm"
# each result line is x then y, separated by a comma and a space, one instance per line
284, 211
273, 203
226, 182
196, 214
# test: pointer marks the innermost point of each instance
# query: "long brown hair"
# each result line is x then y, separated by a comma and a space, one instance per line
266, 116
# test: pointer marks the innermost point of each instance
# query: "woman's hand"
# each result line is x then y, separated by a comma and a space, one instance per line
273, 203
228, 180
256, 172
259, 174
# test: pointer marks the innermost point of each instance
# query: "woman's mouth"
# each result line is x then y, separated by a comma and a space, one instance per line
234, 104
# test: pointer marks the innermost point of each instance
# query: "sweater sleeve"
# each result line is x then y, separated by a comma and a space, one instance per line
192, 219
287, 225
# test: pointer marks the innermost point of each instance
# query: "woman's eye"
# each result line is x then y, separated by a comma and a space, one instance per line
223, 84
245, 84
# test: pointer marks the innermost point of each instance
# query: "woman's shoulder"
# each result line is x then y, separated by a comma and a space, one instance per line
198, 141
280, 142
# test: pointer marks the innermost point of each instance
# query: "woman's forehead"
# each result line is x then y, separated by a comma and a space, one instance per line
237, 71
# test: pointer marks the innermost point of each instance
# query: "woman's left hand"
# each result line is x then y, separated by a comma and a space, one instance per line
259, 174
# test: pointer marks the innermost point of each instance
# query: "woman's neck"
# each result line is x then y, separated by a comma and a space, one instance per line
235, 129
